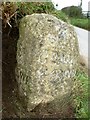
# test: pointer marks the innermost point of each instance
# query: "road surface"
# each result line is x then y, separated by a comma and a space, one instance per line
83, 37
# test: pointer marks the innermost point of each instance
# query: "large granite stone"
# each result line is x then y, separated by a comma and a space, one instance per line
47, 55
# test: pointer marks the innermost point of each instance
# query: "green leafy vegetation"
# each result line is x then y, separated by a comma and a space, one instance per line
82, 23
76, 16
60, 15
27, 8
81, 99
73, 11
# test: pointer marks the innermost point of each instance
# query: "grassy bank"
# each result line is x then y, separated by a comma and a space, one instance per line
82, 23
81, 101
81, 92
22, 9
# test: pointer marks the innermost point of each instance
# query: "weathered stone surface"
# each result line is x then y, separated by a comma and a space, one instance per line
47, 52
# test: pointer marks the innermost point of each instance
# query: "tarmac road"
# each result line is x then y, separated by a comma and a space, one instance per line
83, 40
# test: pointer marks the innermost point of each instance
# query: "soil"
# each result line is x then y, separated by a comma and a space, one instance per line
12, 104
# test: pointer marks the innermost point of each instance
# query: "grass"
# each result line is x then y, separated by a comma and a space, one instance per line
81, 100
60, 15
82, 23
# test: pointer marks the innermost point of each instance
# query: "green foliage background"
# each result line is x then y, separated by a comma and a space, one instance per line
73, 11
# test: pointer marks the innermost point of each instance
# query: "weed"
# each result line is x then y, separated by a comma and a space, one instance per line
81, 99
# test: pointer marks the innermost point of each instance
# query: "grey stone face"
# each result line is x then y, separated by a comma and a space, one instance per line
47, 53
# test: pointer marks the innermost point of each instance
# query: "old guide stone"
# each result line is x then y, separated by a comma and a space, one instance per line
47, 53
